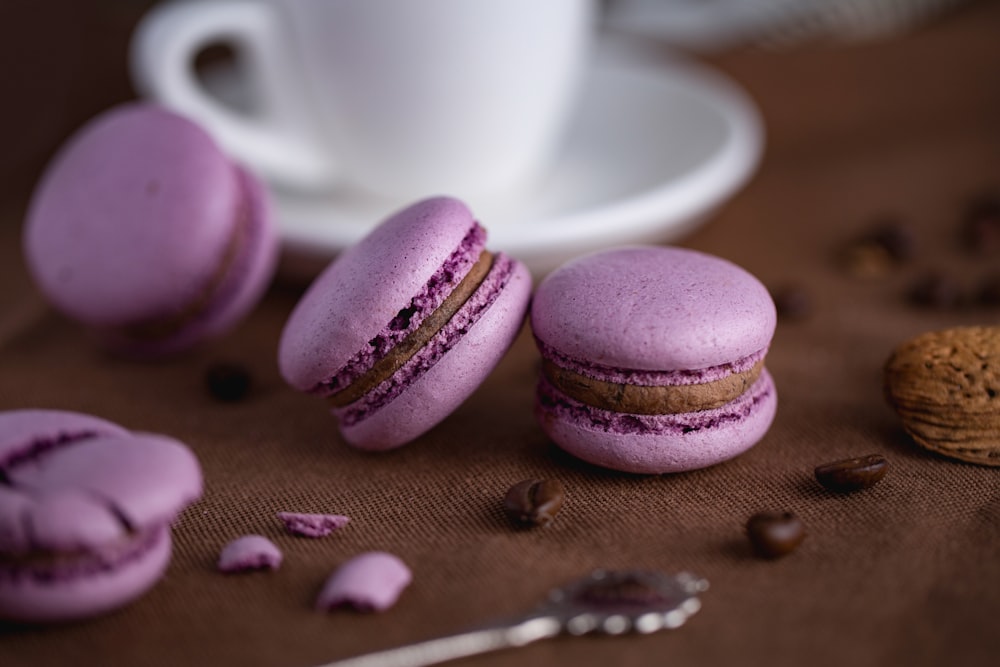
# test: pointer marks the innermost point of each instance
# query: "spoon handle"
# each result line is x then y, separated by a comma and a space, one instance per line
475, 642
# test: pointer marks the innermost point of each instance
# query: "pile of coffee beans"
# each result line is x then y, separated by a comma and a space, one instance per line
889, 245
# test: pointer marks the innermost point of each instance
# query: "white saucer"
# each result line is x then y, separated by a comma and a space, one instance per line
657, 144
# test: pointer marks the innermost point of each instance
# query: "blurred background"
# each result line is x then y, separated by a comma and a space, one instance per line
65, 60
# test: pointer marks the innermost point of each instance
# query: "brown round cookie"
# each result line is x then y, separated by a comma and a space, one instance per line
945, 386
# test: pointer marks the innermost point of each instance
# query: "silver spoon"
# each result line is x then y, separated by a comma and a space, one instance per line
606, 602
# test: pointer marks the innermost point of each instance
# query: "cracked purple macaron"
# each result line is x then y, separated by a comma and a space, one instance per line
86, 509
142, 229
402, 327
653, 359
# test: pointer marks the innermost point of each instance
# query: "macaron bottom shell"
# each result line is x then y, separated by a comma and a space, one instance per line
437, 392
661, 443
70, 592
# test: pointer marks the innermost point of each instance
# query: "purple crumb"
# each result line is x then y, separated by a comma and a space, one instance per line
312, 525
250, 552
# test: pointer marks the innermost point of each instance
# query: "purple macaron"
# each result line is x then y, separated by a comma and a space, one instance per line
143, 230
406, 324
653, 359
85, 513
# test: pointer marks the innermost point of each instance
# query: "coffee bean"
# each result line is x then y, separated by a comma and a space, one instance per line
936, 290
989, 291
854, 474
864, 259
878, 250
895, 237
775, 534
791, 302
227, 382
534, 502
981, 226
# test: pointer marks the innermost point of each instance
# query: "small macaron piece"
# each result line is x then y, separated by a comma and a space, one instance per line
403, 326
312, 525
369, 582
145, 231
653, 359
249, 553
85, 513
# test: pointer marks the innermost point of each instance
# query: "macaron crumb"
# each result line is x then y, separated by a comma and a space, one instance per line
249, 553
369, 582
312, 525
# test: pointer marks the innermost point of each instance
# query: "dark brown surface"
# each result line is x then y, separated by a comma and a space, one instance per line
904, 573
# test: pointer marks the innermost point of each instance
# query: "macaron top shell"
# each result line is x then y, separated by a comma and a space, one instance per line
81, 482
150, 191
653, 308
23, 432
367, 286
146, 478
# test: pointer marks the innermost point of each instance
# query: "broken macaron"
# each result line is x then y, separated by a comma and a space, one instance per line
86, 509
142, 229
403, 326
249, 552
312, 525
369, 582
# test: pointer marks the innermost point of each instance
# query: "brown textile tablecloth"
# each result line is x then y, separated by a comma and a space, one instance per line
906, 573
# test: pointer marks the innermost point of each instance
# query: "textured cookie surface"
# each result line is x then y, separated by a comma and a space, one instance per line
945, 386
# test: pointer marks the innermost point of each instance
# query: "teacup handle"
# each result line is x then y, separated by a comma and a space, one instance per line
276, 140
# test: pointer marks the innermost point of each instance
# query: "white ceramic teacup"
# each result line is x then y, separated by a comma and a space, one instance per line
403, 98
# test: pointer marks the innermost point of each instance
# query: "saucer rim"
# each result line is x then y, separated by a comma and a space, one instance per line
662, 213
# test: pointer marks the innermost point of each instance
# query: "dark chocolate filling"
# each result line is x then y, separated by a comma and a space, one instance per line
402, 352
449, 336
554, 402
409, 318
651, 400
